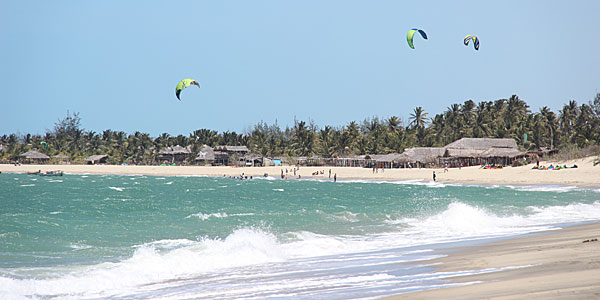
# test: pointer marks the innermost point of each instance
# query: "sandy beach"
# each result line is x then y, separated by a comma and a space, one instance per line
561, 265
586, 175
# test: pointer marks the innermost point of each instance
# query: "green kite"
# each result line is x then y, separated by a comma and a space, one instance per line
183, 84
411, 34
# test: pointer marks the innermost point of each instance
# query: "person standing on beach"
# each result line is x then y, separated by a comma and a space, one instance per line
433, 175
329, 173
335, 177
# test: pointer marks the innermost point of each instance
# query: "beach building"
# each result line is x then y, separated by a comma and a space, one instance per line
206, 156
354, 161
481, 151
224, 154
33, 156
541, 152
174, 154
96, 159
251, 160
313, 161
382, 161
420, 157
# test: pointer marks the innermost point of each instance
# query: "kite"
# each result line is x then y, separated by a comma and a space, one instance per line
475, 41
183, 84
411, 34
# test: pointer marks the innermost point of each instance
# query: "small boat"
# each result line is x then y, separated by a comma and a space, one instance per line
52, 173
35, 173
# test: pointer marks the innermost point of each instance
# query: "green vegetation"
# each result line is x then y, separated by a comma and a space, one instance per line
574, 127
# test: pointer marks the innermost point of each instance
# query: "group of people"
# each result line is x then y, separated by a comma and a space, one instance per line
551, 167
316, 173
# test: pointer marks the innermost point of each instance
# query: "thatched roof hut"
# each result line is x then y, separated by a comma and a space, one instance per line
381, 160
423, 155
175, 153
175, 150
97, 159
251, 159
206, 154
234, 149
475, 151
501, 152
34, 156
482, 143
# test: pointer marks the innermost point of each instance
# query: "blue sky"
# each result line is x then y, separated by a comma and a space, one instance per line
117, 62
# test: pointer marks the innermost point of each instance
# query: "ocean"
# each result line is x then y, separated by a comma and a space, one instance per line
152, 237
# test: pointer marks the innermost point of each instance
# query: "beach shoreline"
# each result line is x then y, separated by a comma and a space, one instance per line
560, 264
539, 265
586, 175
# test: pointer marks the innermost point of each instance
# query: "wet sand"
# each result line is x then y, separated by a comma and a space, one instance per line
560, 266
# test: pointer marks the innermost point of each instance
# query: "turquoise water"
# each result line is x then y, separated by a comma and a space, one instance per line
112, 237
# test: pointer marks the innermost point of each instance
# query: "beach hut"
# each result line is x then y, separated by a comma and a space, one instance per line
477, 151
174, 154
420, 157
96, 159
381, 160
241, 150
206, 155
224, 154
500, 156
353, 161
33, 156
251, 160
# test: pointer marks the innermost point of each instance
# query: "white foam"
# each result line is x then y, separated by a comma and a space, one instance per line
80, 246
543, 188
120, 189
279, 190
27, 184
202, 216
178, 259
462, 221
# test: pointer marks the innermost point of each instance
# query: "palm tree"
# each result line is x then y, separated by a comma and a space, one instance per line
584, 135
303, 140
481, 125
568, 116
418, 118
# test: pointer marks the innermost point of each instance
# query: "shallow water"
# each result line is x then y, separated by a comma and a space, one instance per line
111, 237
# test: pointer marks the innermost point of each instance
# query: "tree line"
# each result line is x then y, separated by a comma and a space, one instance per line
574, 126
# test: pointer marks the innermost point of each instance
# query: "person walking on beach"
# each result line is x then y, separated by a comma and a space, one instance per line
433, 175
